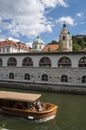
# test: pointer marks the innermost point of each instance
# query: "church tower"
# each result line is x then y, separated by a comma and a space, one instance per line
65, 39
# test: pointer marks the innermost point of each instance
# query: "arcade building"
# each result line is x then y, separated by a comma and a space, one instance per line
40, 69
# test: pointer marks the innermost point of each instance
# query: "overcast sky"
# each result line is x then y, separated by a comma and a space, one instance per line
23, 20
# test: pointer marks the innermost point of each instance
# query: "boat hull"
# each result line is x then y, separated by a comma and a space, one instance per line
32, 115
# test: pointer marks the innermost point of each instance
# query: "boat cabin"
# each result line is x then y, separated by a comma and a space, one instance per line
17, 100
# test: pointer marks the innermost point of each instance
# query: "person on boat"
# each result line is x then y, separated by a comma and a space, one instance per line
31, 107
38, 106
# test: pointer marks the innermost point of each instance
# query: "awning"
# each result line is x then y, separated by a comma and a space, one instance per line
17, 96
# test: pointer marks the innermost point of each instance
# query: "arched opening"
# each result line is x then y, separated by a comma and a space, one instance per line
64, 62
27, 62
44, 77
64, 78
27, 76
84, 79
64, 38
12, 62
45, 62
11, 75
82, 62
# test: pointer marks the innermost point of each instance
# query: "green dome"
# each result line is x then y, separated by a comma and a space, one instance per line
38, 40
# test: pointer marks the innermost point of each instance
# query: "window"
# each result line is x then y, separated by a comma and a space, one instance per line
64, 62
64, 78
27, 76
63, 37
84, 79
0, 62
27, 62
11, 62
3, 49
8, 49
40, 47
44, 77
11, 76
82, 62
35, 47
45, 61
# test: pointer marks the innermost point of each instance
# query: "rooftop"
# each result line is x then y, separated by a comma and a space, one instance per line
38, 40
17, 96
14, 44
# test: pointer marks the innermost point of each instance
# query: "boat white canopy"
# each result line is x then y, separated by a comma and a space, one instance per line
17, 96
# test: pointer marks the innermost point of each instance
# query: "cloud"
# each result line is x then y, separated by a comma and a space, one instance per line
13, 39
79, 14
29, 44
26, 17
53, 3
2, 38
68, 20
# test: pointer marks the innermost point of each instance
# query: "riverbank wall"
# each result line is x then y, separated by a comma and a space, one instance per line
49, 87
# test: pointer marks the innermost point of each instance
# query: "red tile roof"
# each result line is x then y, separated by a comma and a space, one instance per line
51, 47
15, 44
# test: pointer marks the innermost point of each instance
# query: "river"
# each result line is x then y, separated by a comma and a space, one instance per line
71, 114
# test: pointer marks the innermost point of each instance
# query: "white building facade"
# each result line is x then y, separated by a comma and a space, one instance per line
9, 46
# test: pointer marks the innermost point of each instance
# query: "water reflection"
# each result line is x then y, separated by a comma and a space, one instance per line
3, 125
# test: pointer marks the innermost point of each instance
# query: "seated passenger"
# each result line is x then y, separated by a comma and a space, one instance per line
38, 105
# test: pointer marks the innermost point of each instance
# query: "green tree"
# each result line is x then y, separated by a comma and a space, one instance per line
79, 42
60, 46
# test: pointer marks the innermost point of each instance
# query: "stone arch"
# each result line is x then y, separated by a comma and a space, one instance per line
64, 78
45, 62
82, 62
64, 62
27, 61
11, 61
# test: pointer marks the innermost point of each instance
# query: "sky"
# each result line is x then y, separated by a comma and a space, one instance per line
24, 20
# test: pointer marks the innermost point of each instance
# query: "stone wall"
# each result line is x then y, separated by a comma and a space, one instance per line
54, 74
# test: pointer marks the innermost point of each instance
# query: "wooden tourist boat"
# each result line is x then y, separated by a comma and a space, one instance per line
26, 105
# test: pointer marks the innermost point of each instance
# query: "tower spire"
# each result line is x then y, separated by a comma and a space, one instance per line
64, 24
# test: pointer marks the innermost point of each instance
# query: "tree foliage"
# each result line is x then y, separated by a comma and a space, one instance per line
79, 42
53, 42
